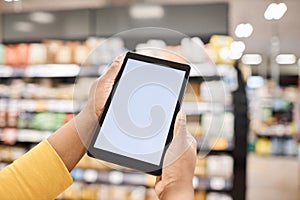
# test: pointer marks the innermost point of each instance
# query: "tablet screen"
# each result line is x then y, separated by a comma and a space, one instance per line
139, 117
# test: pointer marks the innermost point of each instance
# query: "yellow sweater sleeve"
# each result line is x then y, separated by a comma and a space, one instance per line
39, 174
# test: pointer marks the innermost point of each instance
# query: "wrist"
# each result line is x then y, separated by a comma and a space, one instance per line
177, 190
85, 124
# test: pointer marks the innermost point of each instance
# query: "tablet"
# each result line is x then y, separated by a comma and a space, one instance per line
137, 123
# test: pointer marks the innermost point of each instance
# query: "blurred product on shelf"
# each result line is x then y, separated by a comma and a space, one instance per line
221, 45
41, 89
8, 153
214, 163
274, 120
2, 48
218, 196
61, 52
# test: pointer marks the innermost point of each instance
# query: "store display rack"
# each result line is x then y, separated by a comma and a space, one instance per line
234, 186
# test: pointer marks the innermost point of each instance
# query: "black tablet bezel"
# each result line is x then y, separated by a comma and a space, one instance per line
124, 160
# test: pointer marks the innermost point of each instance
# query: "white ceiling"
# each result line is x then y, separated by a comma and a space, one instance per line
240, 11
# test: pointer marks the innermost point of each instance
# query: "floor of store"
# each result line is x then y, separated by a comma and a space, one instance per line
275, 178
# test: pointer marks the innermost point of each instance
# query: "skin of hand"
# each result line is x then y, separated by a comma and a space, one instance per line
179, 165
71, 140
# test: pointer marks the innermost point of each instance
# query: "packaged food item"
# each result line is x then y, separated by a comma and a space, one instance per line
3, 113
193, 126
213, 164
200, 195
47, 121
221, 45
193, 50
218, 196
289, 147
53, 47
64, 55
81, 53
263, 146
25, 119
9, 136
192, 93
22, 55
37, 54
2, 47
218, 125
215, 92
10, 55
200, 169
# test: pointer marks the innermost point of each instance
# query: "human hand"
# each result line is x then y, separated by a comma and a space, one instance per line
179, 165
87, 119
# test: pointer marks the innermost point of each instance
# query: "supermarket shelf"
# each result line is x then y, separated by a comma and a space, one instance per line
23, 135
197, 108
110, 177
51, 71
137, 179
275, 136
204, 70
42, 105
212, 183
204, 146
44, 70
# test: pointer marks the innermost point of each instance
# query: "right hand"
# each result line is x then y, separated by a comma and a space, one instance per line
179, 165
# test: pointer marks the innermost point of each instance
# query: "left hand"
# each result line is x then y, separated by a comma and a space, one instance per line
86, 120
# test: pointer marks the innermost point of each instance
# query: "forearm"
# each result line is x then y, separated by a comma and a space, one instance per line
71, 140
67, 144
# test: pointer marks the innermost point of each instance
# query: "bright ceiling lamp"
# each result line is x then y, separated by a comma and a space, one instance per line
42, 17
23, 26
10, 0
146, 11
251, 59
243, 30
236, 50
286, 59
275, 11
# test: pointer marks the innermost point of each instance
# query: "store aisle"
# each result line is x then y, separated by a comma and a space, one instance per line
273, 178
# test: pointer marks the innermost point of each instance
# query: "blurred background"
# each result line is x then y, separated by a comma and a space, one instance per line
248, 142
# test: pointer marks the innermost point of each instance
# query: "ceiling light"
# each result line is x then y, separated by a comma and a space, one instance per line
286, 59
251, 59
236, 50
141, 11
275, 11
235, 55
237, 46
42, 17
23, 26
243, 30
8, 0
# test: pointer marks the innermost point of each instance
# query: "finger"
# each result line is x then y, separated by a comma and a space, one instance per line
113, 69
180, 123
158, 178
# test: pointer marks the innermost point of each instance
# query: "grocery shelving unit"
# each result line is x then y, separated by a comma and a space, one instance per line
233, 186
